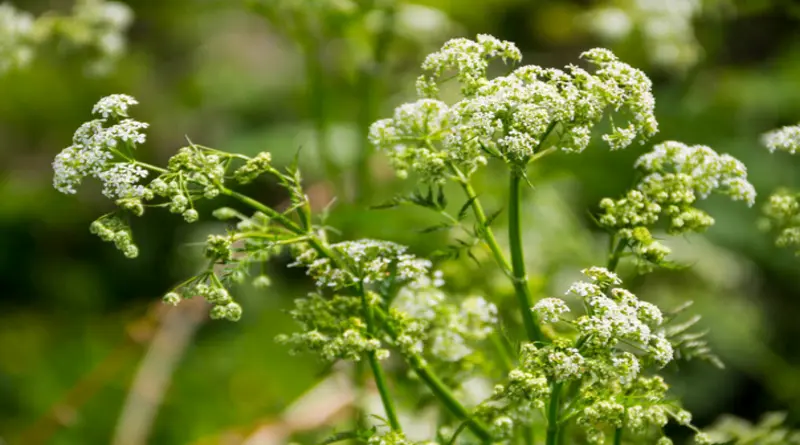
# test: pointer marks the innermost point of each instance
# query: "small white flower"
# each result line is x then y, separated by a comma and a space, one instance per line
549, 310
115, 105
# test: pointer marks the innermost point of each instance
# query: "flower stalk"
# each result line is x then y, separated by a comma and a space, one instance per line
518, 257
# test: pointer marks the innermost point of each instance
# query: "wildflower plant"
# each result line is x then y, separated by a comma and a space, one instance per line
587, 368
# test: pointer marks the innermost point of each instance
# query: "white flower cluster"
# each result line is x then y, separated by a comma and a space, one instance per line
17, 37
366, 261
100, 151
677, 175
680, 174
615, 315
549, 310
785, 139
665, 29
469, 59
611, 390
97, 25
100, 25
437, 329
511, 117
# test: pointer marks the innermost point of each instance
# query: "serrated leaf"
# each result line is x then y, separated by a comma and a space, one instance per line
436, 228
489, 151
472, 256
392, 203
344, 435
492, 217
462, 213
441, 199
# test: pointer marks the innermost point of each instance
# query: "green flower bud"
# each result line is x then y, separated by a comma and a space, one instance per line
262, 281
191, 215
172, 298
224, 213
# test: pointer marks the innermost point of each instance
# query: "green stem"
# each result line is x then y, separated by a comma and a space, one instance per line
272, 213
377, 371
527, 435
616, 253
437, 387
553, 411
480, 216
359, 373
523, 291
618, 436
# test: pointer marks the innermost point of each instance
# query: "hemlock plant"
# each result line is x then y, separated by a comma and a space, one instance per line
587, 368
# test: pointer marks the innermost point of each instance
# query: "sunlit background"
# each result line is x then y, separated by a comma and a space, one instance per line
88, 354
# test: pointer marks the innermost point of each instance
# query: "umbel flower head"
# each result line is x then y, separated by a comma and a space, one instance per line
784, 139
511, 117
616, 341
676, 177
101, 149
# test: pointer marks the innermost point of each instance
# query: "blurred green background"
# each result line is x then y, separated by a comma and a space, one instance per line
80, 325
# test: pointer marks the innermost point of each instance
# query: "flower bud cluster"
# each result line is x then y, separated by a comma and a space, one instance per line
254, 167
641, 407
394, 438
782, 214
511, 117
677, 175
113, 229
209, 287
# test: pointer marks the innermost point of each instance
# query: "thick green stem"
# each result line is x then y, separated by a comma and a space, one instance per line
374, 363
437, 387
269, 211
553, 411
618, 436
523, 291
517, 271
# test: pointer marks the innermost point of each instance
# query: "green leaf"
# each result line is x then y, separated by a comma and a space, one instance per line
462, 213
436, 228
492, 217
441, 199
361, 436
392, 203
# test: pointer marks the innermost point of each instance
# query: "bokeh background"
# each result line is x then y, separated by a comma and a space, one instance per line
88, 354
